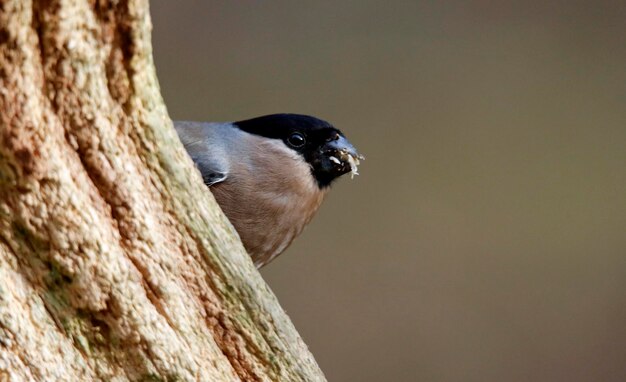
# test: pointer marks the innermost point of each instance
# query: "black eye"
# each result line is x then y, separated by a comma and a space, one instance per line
296, 140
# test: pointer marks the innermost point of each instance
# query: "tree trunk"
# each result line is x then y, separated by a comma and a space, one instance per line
115, 261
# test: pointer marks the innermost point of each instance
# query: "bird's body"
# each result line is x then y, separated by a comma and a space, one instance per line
267, 186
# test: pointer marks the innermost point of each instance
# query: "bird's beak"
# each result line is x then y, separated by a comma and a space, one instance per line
342, 155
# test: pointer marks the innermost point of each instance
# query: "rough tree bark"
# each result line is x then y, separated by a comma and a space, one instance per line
115, 262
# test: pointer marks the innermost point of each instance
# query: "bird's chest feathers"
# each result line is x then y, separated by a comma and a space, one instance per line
269, 197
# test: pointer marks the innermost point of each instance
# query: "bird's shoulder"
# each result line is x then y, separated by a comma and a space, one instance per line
206, 143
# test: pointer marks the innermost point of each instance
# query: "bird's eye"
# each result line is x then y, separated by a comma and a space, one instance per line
296, 140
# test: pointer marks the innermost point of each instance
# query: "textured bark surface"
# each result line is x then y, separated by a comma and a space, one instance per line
115, 262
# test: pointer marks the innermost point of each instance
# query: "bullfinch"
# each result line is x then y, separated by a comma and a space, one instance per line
269, 174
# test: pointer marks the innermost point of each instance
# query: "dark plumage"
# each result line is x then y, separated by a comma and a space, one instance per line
269, 174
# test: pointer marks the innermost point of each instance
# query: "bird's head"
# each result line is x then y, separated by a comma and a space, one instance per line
322, 146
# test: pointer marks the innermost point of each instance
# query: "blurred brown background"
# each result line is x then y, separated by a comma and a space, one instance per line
485, 239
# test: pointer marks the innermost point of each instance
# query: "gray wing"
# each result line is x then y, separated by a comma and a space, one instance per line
205, 145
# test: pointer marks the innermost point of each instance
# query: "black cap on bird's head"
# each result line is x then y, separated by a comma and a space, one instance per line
323, 146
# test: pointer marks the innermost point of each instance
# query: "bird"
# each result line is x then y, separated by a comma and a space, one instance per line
269, 174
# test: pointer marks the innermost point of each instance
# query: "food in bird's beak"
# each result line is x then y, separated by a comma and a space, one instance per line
353, 160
